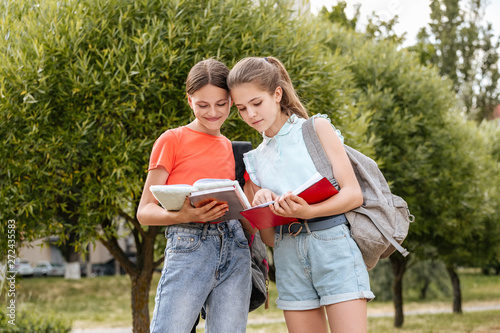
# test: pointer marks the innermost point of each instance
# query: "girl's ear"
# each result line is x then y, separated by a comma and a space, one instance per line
278, 93
190, 101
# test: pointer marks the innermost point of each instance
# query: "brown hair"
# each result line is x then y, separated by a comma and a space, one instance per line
205, 72
268, 73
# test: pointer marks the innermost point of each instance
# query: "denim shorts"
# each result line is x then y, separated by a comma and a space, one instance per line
206, 265
319, 268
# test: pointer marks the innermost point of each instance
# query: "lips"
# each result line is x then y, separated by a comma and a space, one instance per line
213, 119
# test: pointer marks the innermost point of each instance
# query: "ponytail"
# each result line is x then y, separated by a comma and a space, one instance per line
268, 74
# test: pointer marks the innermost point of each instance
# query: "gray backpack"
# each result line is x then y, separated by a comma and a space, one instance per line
381, 224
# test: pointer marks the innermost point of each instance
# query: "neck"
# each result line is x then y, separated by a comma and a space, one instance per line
277, 125
195, 126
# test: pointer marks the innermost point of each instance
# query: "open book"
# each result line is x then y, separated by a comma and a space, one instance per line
314, 190
203, 191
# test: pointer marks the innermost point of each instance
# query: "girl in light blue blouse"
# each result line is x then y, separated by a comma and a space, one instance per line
319, 268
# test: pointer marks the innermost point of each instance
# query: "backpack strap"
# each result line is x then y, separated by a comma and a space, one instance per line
258, 251
318, 155
239, 148
383, 231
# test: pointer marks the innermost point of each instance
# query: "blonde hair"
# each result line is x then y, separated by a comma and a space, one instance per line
268, 74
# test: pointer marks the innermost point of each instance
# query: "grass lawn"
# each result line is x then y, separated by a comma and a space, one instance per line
105, 302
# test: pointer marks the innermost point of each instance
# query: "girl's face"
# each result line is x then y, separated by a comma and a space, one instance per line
258, 108
211, 106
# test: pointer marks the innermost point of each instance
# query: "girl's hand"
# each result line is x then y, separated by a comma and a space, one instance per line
262, 196
291, 205
208, 212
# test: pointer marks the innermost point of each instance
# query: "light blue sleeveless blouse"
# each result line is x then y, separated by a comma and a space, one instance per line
282, 163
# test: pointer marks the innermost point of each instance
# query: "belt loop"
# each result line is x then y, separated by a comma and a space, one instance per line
307, 227
281, 232
205, 231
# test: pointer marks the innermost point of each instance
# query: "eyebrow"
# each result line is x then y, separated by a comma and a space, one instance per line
220, 100
250, 101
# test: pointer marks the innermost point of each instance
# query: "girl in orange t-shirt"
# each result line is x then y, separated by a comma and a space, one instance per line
206, 265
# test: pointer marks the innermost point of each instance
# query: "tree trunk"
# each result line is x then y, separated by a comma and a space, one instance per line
423, 290
140, 272
140, 302
398, 268
141, 281
457, 294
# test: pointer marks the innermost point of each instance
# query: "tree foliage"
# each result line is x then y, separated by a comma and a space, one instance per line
433, 158
86, 87
466, 51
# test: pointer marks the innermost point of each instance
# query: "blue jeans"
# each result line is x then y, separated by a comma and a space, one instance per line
206, 265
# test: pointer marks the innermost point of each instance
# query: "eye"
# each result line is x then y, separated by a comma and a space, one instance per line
258, 103
242, 109
222, 104
202, 106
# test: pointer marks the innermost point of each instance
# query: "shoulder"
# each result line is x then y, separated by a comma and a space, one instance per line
321, 123
324, 126
168, 135
226, 140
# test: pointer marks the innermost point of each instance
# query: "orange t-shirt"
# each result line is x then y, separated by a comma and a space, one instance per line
188, 155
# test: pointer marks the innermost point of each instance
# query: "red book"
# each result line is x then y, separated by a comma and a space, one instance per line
314, 190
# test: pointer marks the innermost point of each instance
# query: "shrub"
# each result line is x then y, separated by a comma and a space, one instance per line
29, 323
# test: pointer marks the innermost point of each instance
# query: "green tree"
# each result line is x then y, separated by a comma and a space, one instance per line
337, 15
438, 169
87, 86
488, 254
376, 29
465, 169
465, 50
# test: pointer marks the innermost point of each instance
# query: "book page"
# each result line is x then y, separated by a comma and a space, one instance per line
171, 197
314, 179
205, 184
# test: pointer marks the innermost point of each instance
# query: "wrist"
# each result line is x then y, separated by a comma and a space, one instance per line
312, 212
177, 216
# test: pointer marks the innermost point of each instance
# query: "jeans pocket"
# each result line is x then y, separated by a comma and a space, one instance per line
239, 237
183, 242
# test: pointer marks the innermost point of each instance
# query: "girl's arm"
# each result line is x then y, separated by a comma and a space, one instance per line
263, 196
149, 213
349, 196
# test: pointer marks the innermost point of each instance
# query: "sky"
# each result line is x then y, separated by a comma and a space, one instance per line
412, 14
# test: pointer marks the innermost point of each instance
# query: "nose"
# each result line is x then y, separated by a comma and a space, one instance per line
251, 112
212, 111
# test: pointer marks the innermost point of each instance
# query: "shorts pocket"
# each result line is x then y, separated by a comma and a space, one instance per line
277, 240
331, 234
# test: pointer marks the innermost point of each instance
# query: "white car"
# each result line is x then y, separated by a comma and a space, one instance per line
23, 267
45, 268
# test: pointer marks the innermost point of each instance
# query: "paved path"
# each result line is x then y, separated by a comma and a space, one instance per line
474, 308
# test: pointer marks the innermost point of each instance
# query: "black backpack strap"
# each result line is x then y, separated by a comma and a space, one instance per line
258, 251
239, 148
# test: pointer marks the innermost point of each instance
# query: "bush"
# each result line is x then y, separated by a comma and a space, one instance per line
102, 79
28, 323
